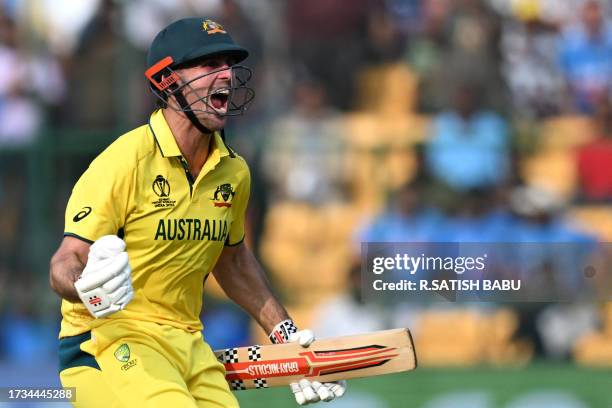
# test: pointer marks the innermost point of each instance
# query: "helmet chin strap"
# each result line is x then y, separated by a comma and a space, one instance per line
180, 98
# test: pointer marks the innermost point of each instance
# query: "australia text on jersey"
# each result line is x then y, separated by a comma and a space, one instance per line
191, 229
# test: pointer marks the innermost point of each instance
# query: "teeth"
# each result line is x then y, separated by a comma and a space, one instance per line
221, 92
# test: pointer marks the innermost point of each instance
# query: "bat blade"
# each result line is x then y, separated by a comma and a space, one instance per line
333, 359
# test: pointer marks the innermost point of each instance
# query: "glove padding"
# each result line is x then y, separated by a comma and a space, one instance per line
105, 286
308, 392
305, 391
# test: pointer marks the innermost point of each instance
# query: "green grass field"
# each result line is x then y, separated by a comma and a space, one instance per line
546, 385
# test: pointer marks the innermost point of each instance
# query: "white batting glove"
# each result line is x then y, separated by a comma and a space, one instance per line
305, 391
308, 392
105, 286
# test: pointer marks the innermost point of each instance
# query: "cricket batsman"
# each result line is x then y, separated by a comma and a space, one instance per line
155, 213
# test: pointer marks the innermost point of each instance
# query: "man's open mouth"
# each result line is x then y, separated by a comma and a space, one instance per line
218, 99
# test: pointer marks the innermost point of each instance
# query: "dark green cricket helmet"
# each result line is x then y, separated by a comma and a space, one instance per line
188, 40
193, 38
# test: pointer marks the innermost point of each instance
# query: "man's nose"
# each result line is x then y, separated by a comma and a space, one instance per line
225, 72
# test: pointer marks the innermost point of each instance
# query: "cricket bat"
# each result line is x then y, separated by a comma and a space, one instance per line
333, 359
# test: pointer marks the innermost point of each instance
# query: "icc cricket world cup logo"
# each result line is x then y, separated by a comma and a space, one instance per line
161, 187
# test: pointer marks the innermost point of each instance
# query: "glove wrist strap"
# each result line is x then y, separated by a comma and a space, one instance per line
282, 331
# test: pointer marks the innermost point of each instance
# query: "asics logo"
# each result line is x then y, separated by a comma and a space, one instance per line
82, 214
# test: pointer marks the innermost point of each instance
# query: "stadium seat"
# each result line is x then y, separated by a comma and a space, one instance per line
388, 89
463, 337
553, 166
381, 153
596, 219
553, 170
594, 349
308, 249
566, 132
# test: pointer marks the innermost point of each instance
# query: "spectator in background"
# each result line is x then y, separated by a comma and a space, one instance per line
549, 12
407, 219
19, 116
407, 15
585, 54
540, 218
595, 159
473, 216
328, 38
27, 84
426, 53
552, 258
55, 23
383, 43
428, 46
468, 147
93, 72
460, 43
303, 154
555, 250
530, 65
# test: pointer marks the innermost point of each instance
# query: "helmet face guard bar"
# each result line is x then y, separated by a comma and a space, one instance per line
166, 82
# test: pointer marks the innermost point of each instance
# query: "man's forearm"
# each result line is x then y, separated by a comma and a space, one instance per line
271, 313
64, 272
243, 280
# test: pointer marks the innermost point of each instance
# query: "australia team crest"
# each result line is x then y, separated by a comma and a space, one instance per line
212, 27
223, 195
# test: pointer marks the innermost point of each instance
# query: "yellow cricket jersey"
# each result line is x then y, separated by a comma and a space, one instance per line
174, 227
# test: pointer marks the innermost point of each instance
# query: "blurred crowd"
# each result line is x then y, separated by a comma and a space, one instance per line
385, 121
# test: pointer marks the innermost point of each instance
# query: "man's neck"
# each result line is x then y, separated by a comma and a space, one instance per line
193, 144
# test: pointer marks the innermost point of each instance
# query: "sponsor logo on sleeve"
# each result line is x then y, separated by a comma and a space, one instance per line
85, 211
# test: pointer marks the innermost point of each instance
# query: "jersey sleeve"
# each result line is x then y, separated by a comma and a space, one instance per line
99, 201
240, 202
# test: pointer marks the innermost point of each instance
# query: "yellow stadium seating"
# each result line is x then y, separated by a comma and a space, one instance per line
596, 219
381, 154
553, 170
554, 165
388, 89
308, 250
594, 349
465, 337
566, 132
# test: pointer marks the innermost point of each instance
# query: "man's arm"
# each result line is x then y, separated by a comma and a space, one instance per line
244, 281
66, 266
